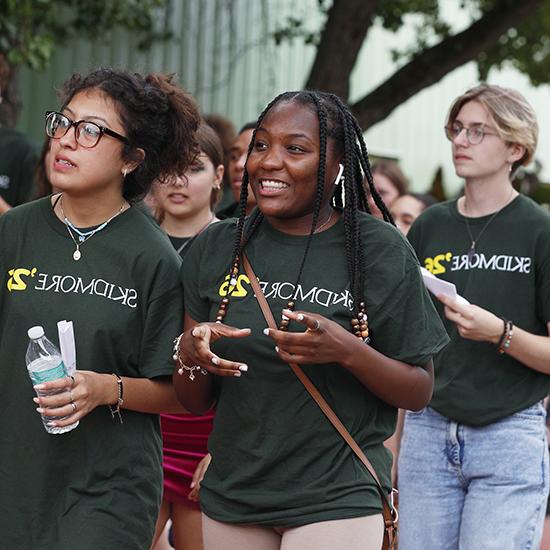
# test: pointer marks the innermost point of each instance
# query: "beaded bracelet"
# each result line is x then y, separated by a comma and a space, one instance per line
506, 337
115, 409
182, 366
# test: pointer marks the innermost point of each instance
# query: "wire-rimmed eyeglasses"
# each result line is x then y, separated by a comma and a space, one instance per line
474, 134
87, 133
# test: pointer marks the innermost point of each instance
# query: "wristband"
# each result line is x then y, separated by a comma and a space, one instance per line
506, 337
115, 409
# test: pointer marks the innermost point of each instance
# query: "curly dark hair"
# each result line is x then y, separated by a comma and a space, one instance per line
158, 116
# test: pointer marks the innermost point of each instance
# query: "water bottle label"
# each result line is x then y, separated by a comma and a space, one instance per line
50, 374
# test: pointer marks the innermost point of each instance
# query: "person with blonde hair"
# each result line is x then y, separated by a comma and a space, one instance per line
473, 466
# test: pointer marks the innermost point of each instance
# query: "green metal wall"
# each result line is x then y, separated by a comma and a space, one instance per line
220, 52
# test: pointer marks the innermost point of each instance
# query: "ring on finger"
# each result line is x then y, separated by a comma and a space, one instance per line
317, 326
73, 380
71, 396
73, 405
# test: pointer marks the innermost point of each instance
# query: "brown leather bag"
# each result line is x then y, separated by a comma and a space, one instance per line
389, 511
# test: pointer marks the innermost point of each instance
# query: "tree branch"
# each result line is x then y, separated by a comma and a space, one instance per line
432, 64
345, 30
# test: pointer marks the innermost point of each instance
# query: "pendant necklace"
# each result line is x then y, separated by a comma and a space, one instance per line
472, 249
83, 236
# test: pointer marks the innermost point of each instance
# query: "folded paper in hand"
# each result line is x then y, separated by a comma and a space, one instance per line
439, 286
67, 345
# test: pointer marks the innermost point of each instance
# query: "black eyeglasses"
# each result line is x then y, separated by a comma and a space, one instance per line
474, 134
87, 133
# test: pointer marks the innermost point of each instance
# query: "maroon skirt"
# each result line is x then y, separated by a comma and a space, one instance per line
184, 440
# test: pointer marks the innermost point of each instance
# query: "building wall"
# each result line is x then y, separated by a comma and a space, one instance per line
221, 51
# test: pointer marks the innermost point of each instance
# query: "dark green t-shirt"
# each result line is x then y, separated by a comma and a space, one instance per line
276, 459
510, 277
99, 486
18, 158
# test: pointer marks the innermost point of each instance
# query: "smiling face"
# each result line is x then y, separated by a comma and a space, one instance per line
81, 171
283, 166
191, 194
489, 159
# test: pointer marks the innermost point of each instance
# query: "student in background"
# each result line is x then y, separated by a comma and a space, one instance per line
473, 465
406, 208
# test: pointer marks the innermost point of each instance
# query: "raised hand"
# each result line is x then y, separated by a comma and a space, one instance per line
195, 348
324, 341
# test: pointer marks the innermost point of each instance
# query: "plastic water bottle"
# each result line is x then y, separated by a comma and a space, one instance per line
44, 364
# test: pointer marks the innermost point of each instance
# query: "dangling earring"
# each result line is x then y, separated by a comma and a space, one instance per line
124, 172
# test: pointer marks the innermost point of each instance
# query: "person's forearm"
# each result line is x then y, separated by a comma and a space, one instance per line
145, 395
398, 383
196, 395
530, 349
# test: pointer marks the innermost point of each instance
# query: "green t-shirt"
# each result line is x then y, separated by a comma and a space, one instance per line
276, 458
510, 277
98, 486
18, 158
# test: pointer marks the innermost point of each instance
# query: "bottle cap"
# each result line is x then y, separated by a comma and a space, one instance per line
35, 332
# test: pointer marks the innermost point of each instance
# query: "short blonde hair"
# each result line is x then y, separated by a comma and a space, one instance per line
514, 119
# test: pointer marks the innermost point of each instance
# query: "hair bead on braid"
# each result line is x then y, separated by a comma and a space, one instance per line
335, 122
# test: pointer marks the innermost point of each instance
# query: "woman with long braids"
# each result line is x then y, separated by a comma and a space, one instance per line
353, 312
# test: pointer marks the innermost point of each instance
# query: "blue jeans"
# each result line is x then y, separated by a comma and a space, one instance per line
473, 488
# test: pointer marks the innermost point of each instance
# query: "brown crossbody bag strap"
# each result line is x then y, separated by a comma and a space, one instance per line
389, 512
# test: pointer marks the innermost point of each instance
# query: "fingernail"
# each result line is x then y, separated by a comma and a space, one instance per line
243, 368
284, 317
285, 311
36, 400
40, 410
39, 387
300, 317
216, 360
266, 331
192, 485
237, 374
277, 349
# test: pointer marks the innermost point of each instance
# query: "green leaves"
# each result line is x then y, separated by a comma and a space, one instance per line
31, 29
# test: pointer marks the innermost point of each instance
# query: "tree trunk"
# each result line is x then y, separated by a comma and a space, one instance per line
345, 31
10, 104
338, 51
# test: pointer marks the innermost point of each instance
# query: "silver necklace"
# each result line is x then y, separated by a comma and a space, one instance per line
83, 237
472, 249
318, 229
